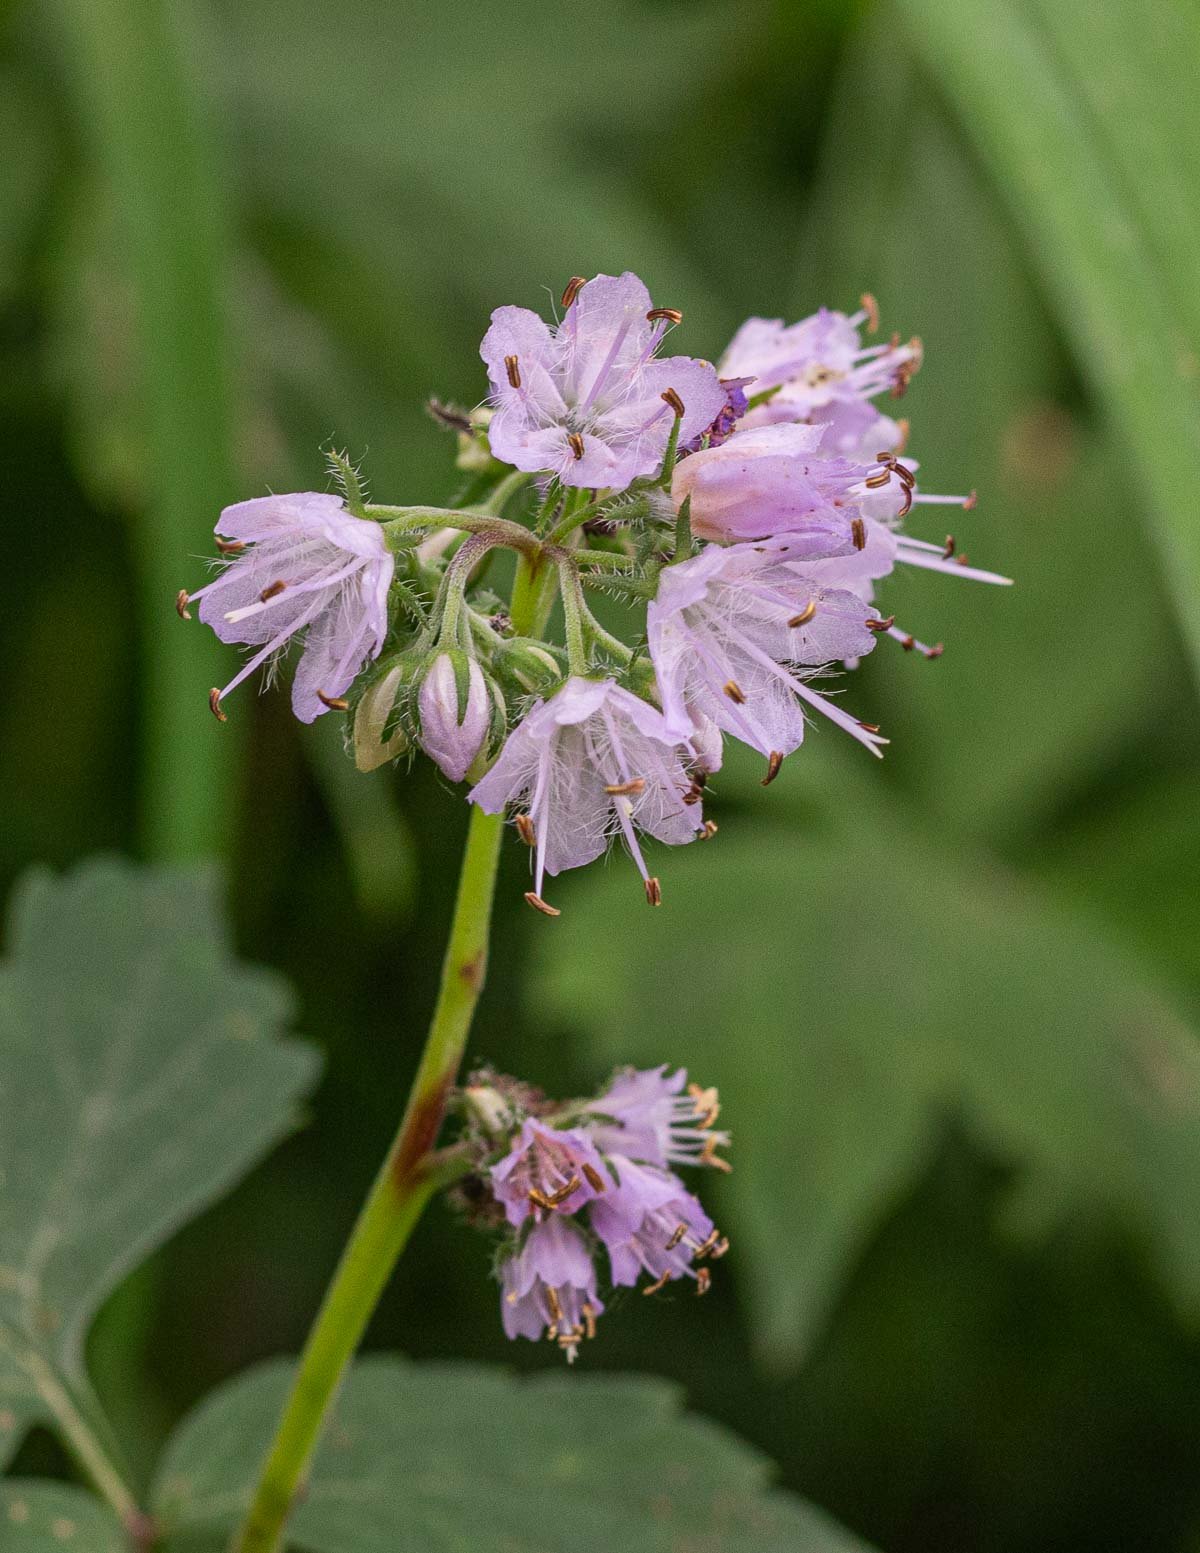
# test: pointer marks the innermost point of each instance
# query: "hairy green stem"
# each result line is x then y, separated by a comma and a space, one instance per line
403, 1186
515, 535
574, 610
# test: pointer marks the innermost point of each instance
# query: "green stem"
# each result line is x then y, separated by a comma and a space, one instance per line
515, 535
404, 1185
574, 610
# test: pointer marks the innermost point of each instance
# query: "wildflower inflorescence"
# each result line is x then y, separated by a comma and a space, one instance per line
746, 512
584, 1195
750, 508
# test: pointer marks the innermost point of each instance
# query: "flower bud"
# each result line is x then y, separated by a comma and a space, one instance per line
379, 733
527, 666
763, 482
456, 708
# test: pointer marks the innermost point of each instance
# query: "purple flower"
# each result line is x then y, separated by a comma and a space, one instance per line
725, 629
770, 480
548, 1170
588, 400
550, 1286
300, 563
816, 366
592, 762
455, 707
658, 1119
651, 1223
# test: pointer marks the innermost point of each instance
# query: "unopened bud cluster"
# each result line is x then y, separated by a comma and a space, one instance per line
747, 511
583, 1197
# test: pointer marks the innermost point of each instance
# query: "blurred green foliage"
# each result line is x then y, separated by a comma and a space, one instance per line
952, 999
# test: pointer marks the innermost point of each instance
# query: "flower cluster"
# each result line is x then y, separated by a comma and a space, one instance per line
750, 509
570, 1187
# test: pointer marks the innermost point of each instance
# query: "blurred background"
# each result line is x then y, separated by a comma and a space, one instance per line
951, 1001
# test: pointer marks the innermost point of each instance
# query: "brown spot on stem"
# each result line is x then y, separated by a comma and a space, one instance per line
419, 1133
473, 971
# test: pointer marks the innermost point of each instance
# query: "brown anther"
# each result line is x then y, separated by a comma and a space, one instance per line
513, 367
869, 727
653, 892
905, 428
622, 789
877, 482
272, 590
871, 308
538, 904
575, 442
700, 779
709, 1156
653, 1288
703, 1280
708, 1103
805, 615
936, 650
680, 1232
573, 287
734, 691
880, 625
669, 396
560, 1194
774, 765
552, 1332
908, 501
671, 314
969, 504
961, 560
214, 705
181, 605
588, 1313
538, 1199
570, 1338
709, 831
525, 829
231, 546
334, 703
553, 1301
719, 1250
858, 533
908, 643
705, 1247
594, 1179
693, 795
950, 546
